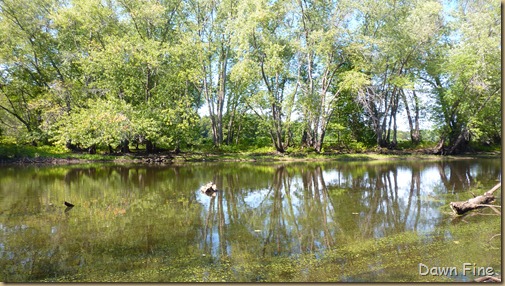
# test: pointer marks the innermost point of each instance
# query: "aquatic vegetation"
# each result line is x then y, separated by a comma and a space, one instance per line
289, 222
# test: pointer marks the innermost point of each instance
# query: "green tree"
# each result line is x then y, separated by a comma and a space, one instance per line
393, 42
110, 73
139, 60
30, 64
263, 41
101, 123
323, 64
212, 31
465, 76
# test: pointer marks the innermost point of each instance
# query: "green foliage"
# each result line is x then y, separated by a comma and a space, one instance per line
354, 81
468, 99
284, 73
103, 123
11, 150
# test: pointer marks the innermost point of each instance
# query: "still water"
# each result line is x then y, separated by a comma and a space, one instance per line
333, 221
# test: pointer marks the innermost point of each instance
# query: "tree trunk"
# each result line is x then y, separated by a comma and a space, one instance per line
307, 138
415, 134
461, 143
125, 148
149, 147
237, 136
394, 143
72, 147
207, 86
277, 142
439, 149
223, 64
229, 136
319, 142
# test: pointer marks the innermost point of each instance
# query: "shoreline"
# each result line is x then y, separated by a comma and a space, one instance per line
167, 158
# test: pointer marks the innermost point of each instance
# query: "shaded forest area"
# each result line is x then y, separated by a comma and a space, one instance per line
108, 75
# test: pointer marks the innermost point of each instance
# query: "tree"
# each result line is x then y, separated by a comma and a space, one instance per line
140, 61
30, 65
305, 69
263, 39
395, 37
466, 77
213, 34
322, 59
100, 124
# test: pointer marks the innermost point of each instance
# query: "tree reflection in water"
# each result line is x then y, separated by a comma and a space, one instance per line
153, 217
312, 207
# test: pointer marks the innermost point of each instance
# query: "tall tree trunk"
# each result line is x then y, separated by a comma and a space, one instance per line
415, 135
394, 143
319, 142
207, 91
223, 64
229, 136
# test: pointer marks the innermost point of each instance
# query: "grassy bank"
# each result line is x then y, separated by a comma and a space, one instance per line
25, 154
12, 153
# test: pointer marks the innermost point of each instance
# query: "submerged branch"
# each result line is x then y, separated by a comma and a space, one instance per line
460, 208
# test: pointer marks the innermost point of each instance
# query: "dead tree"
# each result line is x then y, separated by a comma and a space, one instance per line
484, 200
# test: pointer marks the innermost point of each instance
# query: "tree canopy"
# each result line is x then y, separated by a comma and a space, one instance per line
287, 73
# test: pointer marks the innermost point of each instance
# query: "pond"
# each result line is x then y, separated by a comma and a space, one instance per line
375, 221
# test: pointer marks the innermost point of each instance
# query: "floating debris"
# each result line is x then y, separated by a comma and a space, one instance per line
209, 189
69, 204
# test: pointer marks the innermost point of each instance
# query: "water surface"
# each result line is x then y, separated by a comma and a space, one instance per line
332, 221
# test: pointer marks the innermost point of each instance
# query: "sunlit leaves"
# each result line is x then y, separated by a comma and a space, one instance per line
270, 59
245, 71
470, 96
102, 123
84, 25
423, 22
403, 82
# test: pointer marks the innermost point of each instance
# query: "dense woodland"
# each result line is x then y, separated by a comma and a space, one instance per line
174, 74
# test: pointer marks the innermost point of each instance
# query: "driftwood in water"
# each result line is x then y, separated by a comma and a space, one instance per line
488, 279
474, 203
209, 189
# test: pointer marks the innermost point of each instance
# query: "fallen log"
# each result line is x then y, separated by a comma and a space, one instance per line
488, 279
460, 208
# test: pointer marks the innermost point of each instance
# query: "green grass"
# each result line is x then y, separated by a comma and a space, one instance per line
12, 152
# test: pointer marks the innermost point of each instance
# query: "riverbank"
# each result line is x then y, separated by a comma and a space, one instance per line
14, 154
